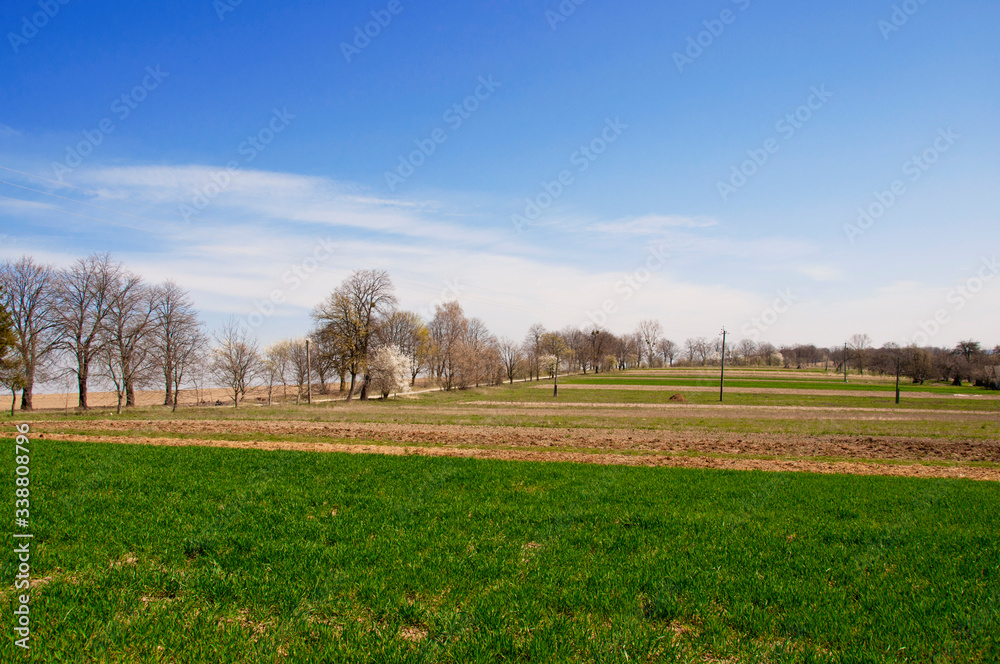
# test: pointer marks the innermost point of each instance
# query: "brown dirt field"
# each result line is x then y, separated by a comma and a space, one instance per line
155, 397
771, 452
144, 398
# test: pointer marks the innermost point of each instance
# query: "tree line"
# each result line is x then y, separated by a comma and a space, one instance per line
96, 319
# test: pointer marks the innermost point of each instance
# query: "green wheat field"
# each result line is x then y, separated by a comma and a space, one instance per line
184, 554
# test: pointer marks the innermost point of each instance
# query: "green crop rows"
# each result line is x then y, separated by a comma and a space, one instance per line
199, 554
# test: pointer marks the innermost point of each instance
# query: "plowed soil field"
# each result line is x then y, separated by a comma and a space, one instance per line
919, 457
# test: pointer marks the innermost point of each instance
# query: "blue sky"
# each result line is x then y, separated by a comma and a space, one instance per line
243, 150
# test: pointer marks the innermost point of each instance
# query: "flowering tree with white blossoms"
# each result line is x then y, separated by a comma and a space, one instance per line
389, 371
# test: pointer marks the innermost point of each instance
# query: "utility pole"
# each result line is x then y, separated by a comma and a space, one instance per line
722, 374
897, 378
845, 361
593, 348
555, 386
309, 382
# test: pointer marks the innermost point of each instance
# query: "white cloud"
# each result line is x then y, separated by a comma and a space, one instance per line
263, 226
650, 225
268, 197
820, 272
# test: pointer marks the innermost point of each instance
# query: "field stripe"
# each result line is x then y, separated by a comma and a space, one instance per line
634, 459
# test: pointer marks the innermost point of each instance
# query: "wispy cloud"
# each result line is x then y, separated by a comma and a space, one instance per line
650, 225
821, 272
263, 197
242, 246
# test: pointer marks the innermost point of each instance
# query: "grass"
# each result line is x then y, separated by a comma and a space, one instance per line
199, 554
880, 400
781, 382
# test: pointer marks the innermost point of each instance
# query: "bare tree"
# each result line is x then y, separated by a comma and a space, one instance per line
969, 363
746, 349
600, 342
83, 306
703, 347
968, 348
276, 361
351, 316
236, 361
475, 360
511, 356
329, 358
808, 354
532, 348
624, 351
766, 352
578, 345
650, 331
637, 349
125, 335
29, 295
691, 348
188, 356
298, 362
789, 356
448, 329
174, 322
667, 350
860, 344
11, 367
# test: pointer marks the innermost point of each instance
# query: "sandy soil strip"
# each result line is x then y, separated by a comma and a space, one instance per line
838, 446
552, 439
914, 470
633, 447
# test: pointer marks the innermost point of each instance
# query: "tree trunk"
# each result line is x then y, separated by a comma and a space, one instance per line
364, 389
28, 388
130, 394
169, 399
82, 384
25, 399
350, 392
